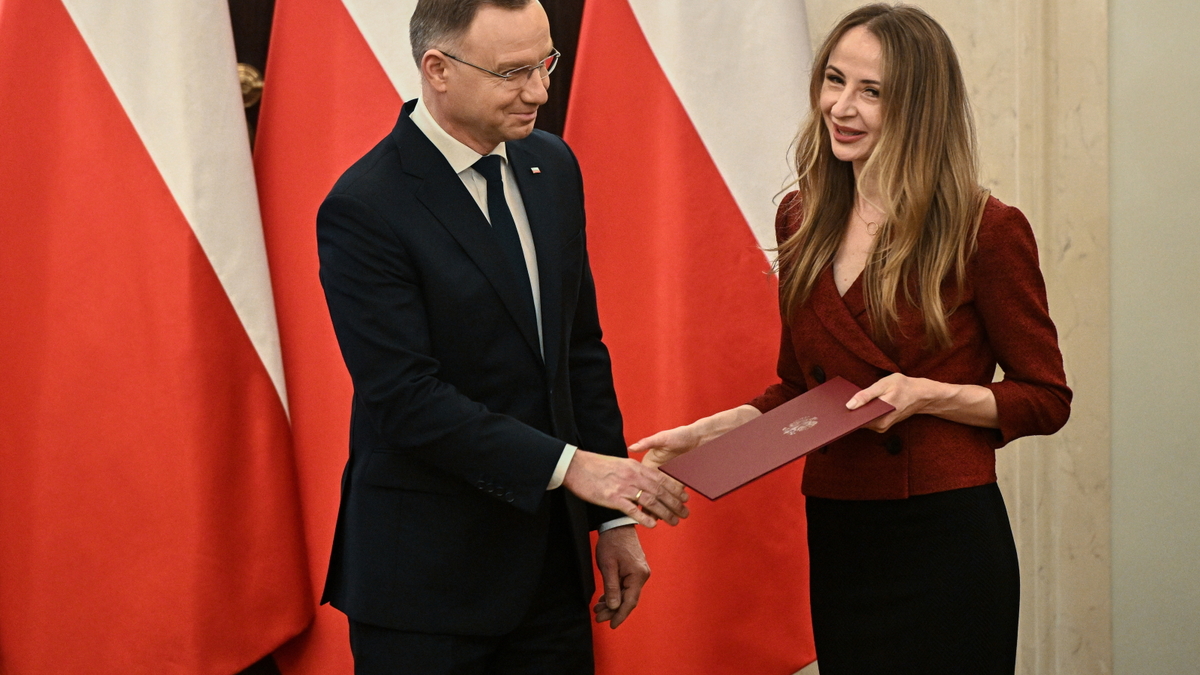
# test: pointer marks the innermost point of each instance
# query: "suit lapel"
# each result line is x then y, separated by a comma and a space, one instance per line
831, 309
544, 224
443, 193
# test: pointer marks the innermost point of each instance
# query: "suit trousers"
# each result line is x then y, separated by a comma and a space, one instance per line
554, 638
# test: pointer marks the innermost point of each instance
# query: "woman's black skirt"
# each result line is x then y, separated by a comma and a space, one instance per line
923, 585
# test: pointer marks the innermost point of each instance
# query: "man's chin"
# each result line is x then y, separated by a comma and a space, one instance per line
521, 129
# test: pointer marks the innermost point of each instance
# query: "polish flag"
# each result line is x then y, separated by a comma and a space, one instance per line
149, 517
336, 75
682, 115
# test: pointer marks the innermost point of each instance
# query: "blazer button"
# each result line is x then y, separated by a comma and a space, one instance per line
893, 445
818, 374
509, 497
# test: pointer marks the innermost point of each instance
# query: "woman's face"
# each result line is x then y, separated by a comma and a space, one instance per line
850, 96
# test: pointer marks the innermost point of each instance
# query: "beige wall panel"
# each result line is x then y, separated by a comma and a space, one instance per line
1155, 96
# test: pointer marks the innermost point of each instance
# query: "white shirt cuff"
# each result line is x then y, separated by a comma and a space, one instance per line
556, 480
560, 469
615, 522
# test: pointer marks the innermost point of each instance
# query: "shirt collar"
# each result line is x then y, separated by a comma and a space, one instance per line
459, 154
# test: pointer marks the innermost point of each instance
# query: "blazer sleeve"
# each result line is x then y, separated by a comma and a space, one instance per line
373, 291
593, 395
791, 377
1010, 296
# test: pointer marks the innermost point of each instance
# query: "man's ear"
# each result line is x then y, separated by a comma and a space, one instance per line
435, 69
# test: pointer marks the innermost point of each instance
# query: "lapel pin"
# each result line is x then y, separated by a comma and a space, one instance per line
535, 169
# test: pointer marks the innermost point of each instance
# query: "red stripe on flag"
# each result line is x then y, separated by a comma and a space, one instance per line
327, 101
690, 314
148, 509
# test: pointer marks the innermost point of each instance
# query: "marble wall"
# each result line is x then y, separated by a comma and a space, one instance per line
1037, 71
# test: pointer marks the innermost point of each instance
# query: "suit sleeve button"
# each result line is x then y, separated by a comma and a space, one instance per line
893, 445
509, 498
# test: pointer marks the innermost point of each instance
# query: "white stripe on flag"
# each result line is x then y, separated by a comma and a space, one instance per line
740, 68
384, 25
172, 67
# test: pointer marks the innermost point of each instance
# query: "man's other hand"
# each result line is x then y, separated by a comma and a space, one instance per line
623, 566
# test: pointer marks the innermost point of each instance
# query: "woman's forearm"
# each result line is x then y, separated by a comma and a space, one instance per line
708, 428
964, 403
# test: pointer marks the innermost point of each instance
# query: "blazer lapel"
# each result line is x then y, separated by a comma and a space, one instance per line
443, 193
544, 223
831, 309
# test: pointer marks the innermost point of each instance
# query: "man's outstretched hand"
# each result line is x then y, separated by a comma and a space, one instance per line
625, 485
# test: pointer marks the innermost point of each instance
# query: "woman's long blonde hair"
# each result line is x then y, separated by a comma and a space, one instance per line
924, 165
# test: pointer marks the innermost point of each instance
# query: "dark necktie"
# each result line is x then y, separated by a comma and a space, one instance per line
503, 226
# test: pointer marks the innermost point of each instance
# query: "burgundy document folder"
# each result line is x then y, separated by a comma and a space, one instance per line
815, 418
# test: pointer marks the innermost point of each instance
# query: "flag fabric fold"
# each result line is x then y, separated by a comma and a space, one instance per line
148, 506
681, 115
329, 97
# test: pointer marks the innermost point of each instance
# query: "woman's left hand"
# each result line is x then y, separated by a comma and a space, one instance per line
908, 395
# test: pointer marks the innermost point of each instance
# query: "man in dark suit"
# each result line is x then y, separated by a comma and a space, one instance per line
454, 264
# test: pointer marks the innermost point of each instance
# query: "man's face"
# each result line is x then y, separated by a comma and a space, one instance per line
484, 110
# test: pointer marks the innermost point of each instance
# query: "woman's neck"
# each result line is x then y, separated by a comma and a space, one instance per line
866, 189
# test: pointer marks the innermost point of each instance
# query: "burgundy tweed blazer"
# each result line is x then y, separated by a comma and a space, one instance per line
1002, 320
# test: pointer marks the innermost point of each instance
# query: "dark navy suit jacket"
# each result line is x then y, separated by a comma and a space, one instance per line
458, 421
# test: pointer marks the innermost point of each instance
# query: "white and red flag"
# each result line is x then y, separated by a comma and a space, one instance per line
149, 517
336, 75
681, 115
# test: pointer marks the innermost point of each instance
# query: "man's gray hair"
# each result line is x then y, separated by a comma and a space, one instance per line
437, 22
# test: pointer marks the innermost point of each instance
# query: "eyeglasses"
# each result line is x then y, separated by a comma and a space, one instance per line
518, 77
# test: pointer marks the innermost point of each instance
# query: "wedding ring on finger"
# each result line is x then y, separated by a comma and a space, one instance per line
637, 497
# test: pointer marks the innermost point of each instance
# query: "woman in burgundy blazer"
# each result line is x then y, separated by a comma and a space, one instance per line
899, 274
1002, 319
